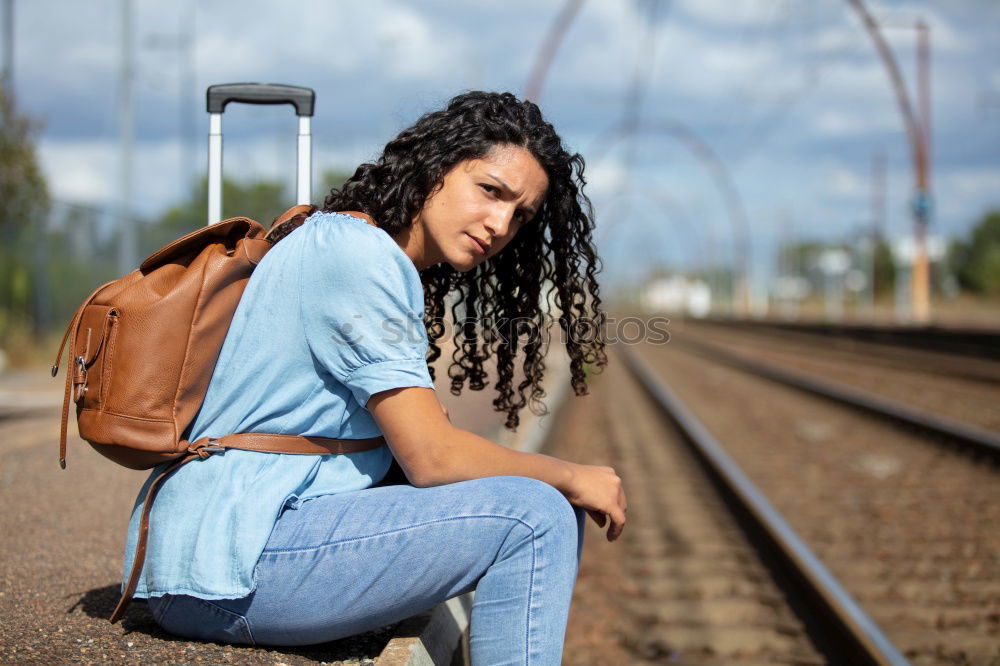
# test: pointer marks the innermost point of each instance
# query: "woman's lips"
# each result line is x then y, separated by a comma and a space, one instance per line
479, 245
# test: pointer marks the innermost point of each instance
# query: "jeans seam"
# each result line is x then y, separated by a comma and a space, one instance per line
243, 618
327, 544
531, 594
163, 606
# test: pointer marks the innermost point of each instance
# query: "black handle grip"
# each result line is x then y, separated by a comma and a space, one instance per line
303, 99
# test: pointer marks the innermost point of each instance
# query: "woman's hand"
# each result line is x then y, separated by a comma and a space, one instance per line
432, 452
598, 490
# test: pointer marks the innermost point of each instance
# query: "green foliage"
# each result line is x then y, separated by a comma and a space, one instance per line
331, 178
24, 204
77, 261
797, 258
885, 268
976, 263
802, 259
262, 200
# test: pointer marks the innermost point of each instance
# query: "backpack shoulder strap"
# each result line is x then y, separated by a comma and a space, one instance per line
70, 335
289, 221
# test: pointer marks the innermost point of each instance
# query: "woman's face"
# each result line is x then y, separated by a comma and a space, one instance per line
477, 210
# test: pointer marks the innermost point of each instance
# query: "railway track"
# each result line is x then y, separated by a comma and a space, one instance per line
835, 620
699, 581
906, 524
974, 343
914, 380
978, 439
963, 366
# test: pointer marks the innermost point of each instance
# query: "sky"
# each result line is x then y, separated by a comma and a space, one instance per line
789, 95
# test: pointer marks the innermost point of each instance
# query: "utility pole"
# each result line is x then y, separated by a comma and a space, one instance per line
918, 131
788, 267
188, 107
877, 222
127, 242
922, 199
8, 48
181, 44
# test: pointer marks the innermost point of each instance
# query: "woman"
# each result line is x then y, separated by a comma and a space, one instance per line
479, 201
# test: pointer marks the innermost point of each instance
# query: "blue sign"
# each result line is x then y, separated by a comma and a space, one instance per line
922, 205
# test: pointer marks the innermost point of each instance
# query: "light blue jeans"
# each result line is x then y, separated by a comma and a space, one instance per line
344, 564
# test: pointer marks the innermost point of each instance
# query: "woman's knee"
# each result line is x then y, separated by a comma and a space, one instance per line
541, 506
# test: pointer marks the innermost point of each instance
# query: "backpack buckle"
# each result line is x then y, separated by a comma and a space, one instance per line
79, 378
205, 450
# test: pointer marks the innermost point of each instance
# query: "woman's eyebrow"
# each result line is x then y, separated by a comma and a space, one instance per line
530, 210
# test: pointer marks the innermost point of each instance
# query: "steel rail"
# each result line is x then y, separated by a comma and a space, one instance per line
974, 437
959, 361
854, 628
956, 341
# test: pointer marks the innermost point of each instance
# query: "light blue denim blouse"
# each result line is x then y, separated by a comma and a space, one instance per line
332, 315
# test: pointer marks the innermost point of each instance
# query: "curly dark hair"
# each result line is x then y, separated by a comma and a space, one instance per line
502, 299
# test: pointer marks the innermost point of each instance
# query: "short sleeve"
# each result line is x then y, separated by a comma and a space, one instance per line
362, 308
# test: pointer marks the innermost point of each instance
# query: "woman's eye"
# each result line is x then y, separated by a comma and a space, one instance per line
490, 189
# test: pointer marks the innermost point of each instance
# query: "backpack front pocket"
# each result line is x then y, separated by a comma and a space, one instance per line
94, 350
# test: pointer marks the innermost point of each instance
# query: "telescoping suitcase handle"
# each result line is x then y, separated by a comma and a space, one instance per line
218, 96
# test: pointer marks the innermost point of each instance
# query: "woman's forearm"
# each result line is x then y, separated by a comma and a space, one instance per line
433, 452
460, 455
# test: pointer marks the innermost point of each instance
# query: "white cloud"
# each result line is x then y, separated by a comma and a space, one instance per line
88, 171
601, 49
844, 183
727, 12
961, 195
730, 69
605, 178
836, 39
855, 121
49, 50
898, 26
79, 171
377, 35
971, 183
412, 46
857, 81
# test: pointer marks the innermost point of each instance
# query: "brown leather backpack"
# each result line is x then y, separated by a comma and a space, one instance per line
143, 348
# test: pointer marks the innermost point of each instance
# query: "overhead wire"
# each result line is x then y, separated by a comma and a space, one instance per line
633, 95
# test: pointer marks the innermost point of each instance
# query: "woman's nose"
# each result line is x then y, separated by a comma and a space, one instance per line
499, 221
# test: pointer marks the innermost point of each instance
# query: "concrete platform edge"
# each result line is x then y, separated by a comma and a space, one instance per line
430, 638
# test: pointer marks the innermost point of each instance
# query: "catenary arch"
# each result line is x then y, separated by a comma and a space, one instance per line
716, 169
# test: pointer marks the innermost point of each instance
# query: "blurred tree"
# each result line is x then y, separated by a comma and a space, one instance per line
976, 263
331, 178
262, 200
78, 259
885, 268
802, 260
24, 205
799, 259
